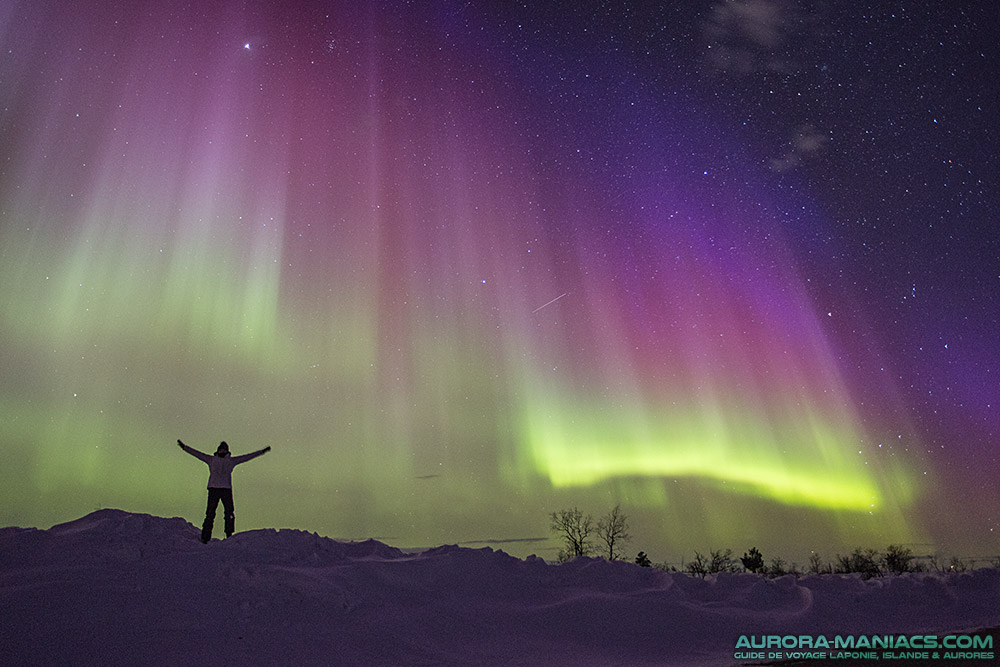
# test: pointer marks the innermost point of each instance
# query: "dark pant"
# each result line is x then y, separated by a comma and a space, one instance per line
214, 496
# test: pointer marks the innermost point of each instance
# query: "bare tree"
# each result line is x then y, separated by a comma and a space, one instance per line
698, 567
613, 531
574, 529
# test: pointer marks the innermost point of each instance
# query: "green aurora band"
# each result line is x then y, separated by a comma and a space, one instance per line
170, 271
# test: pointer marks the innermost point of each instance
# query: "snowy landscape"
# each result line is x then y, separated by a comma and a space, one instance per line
117, 588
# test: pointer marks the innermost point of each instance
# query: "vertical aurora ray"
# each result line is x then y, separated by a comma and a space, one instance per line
349, 248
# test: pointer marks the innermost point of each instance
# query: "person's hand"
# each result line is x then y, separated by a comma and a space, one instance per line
180, 444
268, 448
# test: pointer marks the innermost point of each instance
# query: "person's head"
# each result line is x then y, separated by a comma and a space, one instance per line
223, 449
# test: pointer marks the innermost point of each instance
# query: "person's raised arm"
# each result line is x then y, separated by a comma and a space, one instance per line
252, 455
194, 452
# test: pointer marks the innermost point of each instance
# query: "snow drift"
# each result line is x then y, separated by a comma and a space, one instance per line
115, 588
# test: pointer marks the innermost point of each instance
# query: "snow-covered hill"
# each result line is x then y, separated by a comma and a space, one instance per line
115, 588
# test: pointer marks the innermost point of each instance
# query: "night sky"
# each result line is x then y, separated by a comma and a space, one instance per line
733, 265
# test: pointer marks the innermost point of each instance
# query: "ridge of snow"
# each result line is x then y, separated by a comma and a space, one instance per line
115, 587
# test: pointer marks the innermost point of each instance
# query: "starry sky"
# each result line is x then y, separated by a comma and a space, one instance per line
730, 264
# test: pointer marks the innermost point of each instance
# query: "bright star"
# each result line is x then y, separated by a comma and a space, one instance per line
247, 46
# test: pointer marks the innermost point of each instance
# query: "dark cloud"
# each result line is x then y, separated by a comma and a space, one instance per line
806, 142
749, 35
510, 540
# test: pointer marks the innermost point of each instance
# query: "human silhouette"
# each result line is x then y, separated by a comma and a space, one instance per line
220, 484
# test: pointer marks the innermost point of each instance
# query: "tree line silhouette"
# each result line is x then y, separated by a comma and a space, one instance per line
606, 537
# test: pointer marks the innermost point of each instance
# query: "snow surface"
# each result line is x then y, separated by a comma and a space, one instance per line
115, 588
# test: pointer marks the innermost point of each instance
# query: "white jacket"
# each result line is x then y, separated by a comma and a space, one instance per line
220, 468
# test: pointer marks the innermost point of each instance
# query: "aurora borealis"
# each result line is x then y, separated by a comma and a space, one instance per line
731, 265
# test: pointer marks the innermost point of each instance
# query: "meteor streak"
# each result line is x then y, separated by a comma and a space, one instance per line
549, 303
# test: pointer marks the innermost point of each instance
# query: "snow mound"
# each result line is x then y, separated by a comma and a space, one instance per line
115, 588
